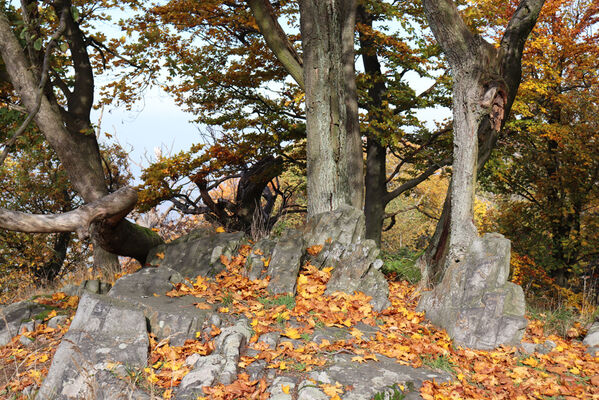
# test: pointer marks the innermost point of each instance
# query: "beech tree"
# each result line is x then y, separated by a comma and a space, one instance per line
60, 106
485, 83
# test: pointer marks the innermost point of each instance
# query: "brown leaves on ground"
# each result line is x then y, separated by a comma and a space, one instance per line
22, 366
566, 372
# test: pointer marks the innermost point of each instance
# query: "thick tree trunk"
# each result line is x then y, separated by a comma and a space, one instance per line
486, 81
334, 146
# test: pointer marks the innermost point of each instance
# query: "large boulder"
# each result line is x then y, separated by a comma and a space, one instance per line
355, 262
175, 318
106, 336
197, 253
285, 263
475, 303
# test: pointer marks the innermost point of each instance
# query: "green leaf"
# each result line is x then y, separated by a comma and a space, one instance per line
37, 45
64, 46
75, 13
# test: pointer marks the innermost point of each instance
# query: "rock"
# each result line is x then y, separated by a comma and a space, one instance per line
254, 264
546, 347
271, 339
175, 318
96, 286
276, 388
355, 271
197, 253
345, 225
219, 367
104, 331
205, 373
309, 391
528, 348
229, 344
592, 337
285, 263
371, 377
56, 321
256, 370
353, 258
26, 341
475, 303
593, 351
13, 316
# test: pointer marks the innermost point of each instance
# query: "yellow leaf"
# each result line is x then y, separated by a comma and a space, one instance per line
292, 333
160, 255
51, 314
220, 229
285, 389
530, 361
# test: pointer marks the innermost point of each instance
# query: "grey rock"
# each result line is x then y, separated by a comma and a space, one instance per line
104, 330
475, 303
197, 253
330, 333
546, 347
276, 388
14, 315
96, 286
309, 391
353, 258
54, 322
254, 264
371, 377
593, 351
345, 225
175, 318
271, 339
256, 370
25, 341
205, 373
592, 337
229, 344
285, 263
528, 348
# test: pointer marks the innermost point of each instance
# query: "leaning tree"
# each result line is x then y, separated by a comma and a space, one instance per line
60, 106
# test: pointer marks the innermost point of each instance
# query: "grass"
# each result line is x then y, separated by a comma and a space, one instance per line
393, 393
285, 300
402, 264
442, 363
557, 321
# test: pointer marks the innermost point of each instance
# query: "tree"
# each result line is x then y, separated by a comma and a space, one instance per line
546, 170
63, 118
485, 83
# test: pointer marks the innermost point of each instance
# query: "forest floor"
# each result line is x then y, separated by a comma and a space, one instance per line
565, 372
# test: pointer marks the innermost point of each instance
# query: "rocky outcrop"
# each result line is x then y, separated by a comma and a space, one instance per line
592, 339
105, 336
475, 303
197, 253
175, 318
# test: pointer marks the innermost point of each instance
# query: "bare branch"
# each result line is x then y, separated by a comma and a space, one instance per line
112, 208
277, 40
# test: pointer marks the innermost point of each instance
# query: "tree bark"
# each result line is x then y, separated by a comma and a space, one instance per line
486, 81
334, 146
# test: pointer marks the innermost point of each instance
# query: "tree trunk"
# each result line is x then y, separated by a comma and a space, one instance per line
376, 189
334, 146
486, 81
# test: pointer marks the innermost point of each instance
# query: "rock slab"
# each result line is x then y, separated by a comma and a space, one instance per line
105, 334
475, 303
